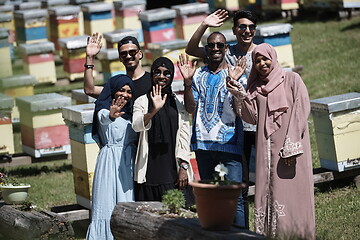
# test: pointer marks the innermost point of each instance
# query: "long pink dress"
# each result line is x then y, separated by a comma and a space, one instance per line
284, 195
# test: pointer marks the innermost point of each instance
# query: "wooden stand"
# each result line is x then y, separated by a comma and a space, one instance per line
128, 221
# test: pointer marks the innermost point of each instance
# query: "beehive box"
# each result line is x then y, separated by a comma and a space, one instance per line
43, 131
46, 4
158, 25
84, 149
17, 86
6, 129
38, 60
5, 60
337, 130
97, 18
188, 18
63, 22
277, 35
74, 54
230, 5
80, 97
7, 21
110, 64
112, 38
30, 25
27, 5
268, 5
126, 16
331, 4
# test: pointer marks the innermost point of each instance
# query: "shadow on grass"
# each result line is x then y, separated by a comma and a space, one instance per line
350, 27
38, 170
334, 184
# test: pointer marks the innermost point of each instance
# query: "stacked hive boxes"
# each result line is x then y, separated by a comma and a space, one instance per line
30, 25
172, 50
63, 22
81, 14
6, 21
230, 5
46, 4
158, 25
7, 137
126, 16
74, 54
271, 5
80, 97
84, 149
27, 5
188, 18
277, 35
17, 86
110, 64
38, 60
337, 130
43, 131
5, 53
112, 38
97, 18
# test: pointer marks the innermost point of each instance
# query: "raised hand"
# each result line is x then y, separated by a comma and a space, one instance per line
239, 68
236, 89
217, 18
93, 45
187, 69
116, 106
158, 100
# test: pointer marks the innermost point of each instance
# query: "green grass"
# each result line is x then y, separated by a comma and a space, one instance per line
328, 51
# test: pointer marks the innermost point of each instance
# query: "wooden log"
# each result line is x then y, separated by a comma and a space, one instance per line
129, 221
34, 224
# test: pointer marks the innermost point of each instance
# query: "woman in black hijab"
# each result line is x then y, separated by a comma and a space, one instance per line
163, 154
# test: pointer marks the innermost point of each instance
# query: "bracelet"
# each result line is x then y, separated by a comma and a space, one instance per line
187, 85
90, 66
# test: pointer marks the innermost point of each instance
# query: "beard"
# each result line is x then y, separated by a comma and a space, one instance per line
130, 68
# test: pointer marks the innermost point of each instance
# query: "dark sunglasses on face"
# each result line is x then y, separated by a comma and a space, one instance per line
132, 53
166, 73
243, 27
219, 45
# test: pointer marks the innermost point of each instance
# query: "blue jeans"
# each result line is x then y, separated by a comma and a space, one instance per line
207, 160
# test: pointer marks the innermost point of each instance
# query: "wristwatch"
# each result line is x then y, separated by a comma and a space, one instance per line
185, 166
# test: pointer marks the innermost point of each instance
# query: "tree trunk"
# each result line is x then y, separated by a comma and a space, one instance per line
128, 221
41, 224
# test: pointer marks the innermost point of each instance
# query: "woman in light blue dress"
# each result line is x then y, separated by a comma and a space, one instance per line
113, 178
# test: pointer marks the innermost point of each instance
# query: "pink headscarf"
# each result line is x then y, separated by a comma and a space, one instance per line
270, 86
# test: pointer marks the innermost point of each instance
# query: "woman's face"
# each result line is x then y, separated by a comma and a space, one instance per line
124, 92
262, 64
162, 76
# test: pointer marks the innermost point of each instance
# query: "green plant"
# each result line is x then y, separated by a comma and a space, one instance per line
173, 200
10, 181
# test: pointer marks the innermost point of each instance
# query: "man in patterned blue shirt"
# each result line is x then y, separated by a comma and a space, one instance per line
217, 135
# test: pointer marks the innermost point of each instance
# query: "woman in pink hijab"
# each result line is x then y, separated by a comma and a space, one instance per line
278, 103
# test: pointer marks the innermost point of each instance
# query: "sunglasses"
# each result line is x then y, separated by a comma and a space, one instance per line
132, 53
219, 45
243, 27
166, 73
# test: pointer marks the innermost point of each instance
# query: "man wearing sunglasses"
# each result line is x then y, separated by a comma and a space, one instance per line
244, 28
130, 55
217, 134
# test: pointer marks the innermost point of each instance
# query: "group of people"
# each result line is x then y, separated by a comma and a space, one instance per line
240, 99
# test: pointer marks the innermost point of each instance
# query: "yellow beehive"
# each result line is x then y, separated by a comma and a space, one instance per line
337, 128
7, 136
17, 86
5, 59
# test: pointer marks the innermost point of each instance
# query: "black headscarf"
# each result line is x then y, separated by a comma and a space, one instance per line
162, 127
104, 101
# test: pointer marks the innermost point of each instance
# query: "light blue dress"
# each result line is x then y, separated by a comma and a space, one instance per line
113, 177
